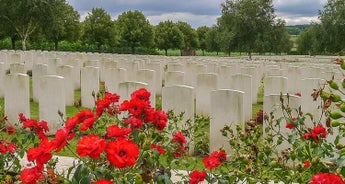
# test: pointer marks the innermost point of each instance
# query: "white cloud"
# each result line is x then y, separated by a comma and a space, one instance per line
194, 20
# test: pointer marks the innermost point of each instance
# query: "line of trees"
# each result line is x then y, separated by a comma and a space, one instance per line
244, 26
327, 36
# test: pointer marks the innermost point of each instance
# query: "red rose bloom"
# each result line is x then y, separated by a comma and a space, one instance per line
87, 123
196, 177
134, 122
289, 125
211, 162
11, 148
160, 120
31, 175
135, 107
10, 130
141, 94
320, 130
91, 145
179, 138
41, 154
220, 155
102, 182
306, 164
122, 153
61, 137
326, 178
115, 131
159, 148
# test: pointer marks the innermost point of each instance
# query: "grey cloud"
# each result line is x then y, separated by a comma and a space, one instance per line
299, 7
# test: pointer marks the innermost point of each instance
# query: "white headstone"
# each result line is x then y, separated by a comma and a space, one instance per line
89, 85
127, 88
17, 96
17, 68
113, 77
206, 82
243, 82
38, 70
226, 109
174, 78
66, 72
148, 77
180, 99
52, 101
275, 85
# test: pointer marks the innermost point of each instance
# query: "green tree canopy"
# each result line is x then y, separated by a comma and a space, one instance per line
332, 19
213, 40
190, 36
98, 28
24, 17
64, 24
168, 36
202, 32
249, 21
135, 30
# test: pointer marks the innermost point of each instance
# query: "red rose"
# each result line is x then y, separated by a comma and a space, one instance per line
31, 175
134, 122
326, 178
179, 138
160, 120
306, 164
91, 145
102, 182
61, 137
122, 153
141, 94
211, 162
112, 97
115, 131
87, 123
159, 148
289, 125
320, 130
135, 107
10, 130
220, 155
196, 177
41, 154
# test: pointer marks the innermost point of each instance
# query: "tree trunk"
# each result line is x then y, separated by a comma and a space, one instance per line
203, 52
23, 44
56, 43
13, 42
217, 53
250, 55
166, 52
133, 50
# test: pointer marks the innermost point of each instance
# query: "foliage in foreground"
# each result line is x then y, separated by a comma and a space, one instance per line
131, 142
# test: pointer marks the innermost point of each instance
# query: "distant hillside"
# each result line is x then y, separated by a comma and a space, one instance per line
296, 29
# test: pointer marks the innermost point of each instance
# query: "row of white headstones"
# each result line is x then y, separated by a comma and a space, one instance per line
223, 88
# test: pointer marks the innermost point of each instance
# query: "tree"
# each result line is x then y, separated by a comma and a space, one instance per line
63, 24
332, 19
190, 36
213, 40
98, 28
278, 39
249, 21
202, 32
168, 36
135, 30
23, 17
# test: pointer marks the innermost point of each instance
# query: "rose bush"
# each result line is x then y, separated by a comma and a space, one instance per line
131, 142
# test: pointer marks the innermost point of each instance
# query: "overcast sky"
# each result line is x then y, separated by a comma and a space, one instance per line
197, 12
